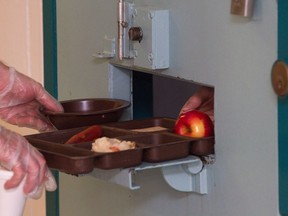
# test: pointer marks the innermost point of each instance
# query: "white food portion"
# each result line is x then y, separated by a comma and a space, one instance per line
105, 144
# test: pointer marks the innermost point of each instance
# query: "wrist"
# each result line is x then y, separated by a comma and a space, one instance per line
5, 76
7, 79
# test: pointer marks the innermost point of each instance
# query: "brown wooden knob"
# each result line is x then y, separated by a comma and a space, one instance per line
135, 34
279, 78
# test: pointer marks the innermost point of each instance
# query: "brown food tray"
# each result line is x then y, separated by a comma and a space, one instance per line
86, 112
65, 157
152, 146
198, 147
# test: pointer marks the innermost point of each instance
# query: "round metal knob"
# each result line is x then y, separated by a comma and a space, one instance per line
279, 78
135, 34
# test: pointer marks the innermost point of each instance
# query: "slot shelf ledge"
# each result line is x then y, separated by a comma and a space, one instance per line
186, 175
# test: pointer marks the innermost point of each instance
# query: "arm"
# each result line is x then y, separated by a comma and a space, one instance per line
203, 100
20, 100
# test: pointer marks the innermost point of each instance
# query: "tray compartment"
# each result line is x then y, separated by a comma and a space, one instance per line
202, 147
65, 158
146, 125
113, 160
159, 147
121, 159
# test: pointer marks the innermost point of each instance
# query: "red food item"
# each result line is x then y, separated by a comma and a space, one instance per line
87, 135
194, 124
114, 148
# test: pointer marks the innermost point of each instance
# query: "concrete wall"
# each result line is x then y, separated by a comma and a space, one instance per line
210, 46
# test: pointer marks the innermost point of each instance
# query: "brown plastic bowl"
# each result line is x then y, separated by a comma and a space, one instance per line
86, 112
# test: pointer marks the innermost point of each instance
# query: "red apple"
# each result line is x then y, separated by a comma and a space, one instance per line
194, 124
